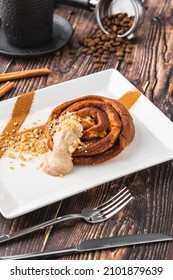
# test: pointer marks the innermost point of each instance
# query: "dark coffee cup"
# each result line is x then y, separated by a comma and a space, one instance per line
27, 23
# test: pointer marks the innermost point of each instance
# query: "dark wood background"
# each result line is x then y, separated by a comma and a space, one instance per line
152, 208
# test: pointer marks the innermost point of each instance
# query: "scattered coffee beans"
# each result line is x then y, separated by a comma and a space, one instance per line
101, 45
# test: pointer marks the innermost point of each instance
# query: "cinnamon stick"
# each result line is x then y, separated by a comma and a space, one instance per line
23, 74
5, 88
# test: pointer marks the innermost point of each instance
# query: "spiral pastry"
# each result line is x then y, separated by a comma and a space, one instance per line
107, 127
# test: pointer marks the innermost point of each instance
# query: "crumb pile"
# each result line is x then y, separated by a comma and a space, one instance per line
31, 142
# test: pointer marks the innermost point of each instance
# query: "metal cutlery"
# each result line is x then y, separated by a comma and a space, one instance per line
92, 215
97, 244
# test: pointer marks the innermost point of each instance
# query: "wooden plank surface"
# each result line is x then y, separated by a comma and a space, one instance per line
152, 207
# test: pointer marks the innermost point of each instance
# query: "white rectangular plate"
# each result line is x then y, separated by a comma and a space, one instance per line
25, 189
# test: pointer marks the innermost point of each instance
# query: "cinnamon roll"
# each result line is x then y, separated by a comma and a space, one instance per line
107, 127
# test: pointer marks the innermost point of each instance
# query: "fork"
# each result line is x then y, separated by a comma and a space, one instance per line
93, 215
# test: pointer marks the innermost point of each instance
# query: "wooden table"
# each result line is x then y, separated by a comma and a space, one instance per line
152, 208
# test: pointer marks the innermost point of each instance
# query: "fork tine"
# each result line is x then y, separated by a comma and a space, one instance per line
115, 203
116, 210
112, 200
108, 201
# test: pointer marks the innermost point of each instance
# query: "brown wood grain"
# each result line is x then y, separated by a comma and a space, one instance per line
152, 207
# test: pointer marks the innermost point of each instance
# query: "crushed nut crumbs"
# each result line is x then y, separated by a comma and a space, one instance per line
31, 142
65, 120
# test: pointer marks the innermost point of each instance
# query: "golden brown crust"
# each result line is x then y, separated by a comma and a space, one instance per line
108, 127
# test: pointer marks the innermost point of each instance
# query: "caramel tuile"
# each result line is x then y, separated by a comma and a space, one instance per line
20, 112
129, 98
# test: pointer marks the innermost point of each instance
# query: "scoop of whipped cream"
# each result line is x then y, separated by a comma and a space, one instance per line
66, 139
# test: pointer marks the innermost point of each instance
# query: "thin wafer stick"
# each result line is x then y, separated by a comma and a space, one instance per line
5, 88
23, 74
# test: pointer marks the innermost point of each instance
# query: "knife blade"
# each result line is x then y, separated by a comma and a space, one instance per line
97, 244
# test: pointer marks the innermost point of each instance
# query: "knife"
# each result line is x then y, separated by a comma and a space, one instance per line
97, 244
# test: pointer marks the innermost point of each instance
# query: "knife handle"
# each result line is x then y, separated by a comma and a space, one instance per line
58, 252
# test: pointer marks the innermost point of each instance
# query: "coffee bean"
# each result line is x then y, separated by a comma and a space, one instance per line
93, 42
120, 54
105, 37
120, 32
100, 51
96, 54
103, 60
115, 44
84, 50
106, 56
120, 58
96, 60
107, 44
106, 53
121, 15
89, 52
128, 50
101, 46
113, 36
128, 61
114, 28
96, 66
118, 39
112, 49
